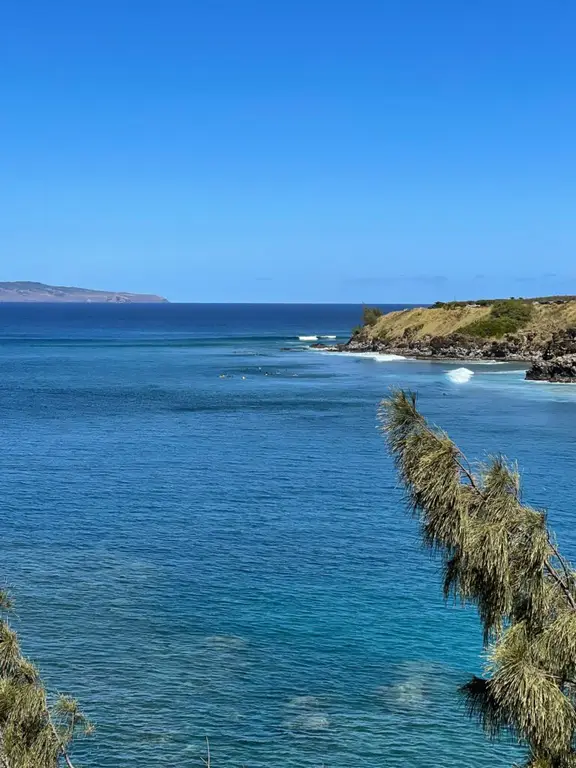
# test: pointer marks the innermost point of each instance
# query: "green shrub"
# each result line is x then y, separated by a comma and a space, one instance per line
370, 315
506, 316
448, 304
515, 309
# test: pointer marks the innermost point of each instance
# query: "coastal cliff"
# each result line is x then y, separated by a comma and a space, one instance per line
24, 291
537, 331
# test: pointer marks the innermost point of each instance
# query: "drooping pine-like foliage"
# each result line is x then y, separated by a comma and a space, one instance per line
33, 733
499, 555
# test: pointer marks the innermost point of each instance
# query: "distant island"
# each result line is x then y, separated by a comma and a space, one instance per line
540, 331
40, 292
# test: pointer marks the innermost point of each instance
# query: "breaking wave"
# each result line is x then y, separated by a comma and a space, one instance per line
460, 375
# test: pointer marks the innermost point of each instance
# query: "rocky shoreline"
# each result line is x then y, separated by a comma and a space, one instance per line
559, 370
554, 361
558, 362
447, 349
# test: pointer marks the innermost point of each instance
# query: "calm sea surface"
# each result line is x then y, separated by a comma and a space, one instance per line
204, 535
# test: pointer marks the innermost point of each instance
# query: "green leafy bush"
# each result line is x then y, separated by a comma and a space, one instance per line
506, 316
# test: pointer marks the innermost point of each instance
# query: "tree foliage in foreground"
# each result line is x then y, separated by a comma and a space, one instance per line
33, 733
499, 555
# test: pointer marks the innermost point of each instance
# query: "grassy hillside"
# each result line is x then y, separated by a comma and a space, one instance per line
492, 321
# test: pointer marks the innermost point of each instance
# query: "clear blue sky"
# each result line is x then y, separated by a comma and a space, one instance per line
290, 150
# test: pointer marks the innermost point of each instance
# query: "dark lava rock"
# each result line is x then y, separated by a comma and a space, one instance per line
562, 343
558, 363
557, 369
455, 347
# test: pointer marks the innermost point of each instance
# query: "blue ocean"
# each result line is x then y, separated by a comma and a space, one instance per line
205, 538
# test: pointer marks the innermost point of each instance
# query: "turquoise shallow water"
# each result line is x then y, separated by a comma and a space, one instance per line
229, 557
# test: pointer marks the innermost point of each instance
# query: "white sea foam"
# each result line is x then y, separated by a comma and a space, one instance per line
329, 336
519, 372
460, 375
378, 356
489, 362
307, 338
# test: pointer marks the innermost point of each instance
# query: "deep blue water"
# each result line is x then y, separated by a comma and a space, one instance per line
205, 537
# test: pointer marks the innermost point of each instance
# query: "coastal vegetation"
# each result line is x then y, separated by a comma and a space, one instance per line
488, 320
507, 316
540, 332
497, 554
489, 302
370, 315
35, 731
